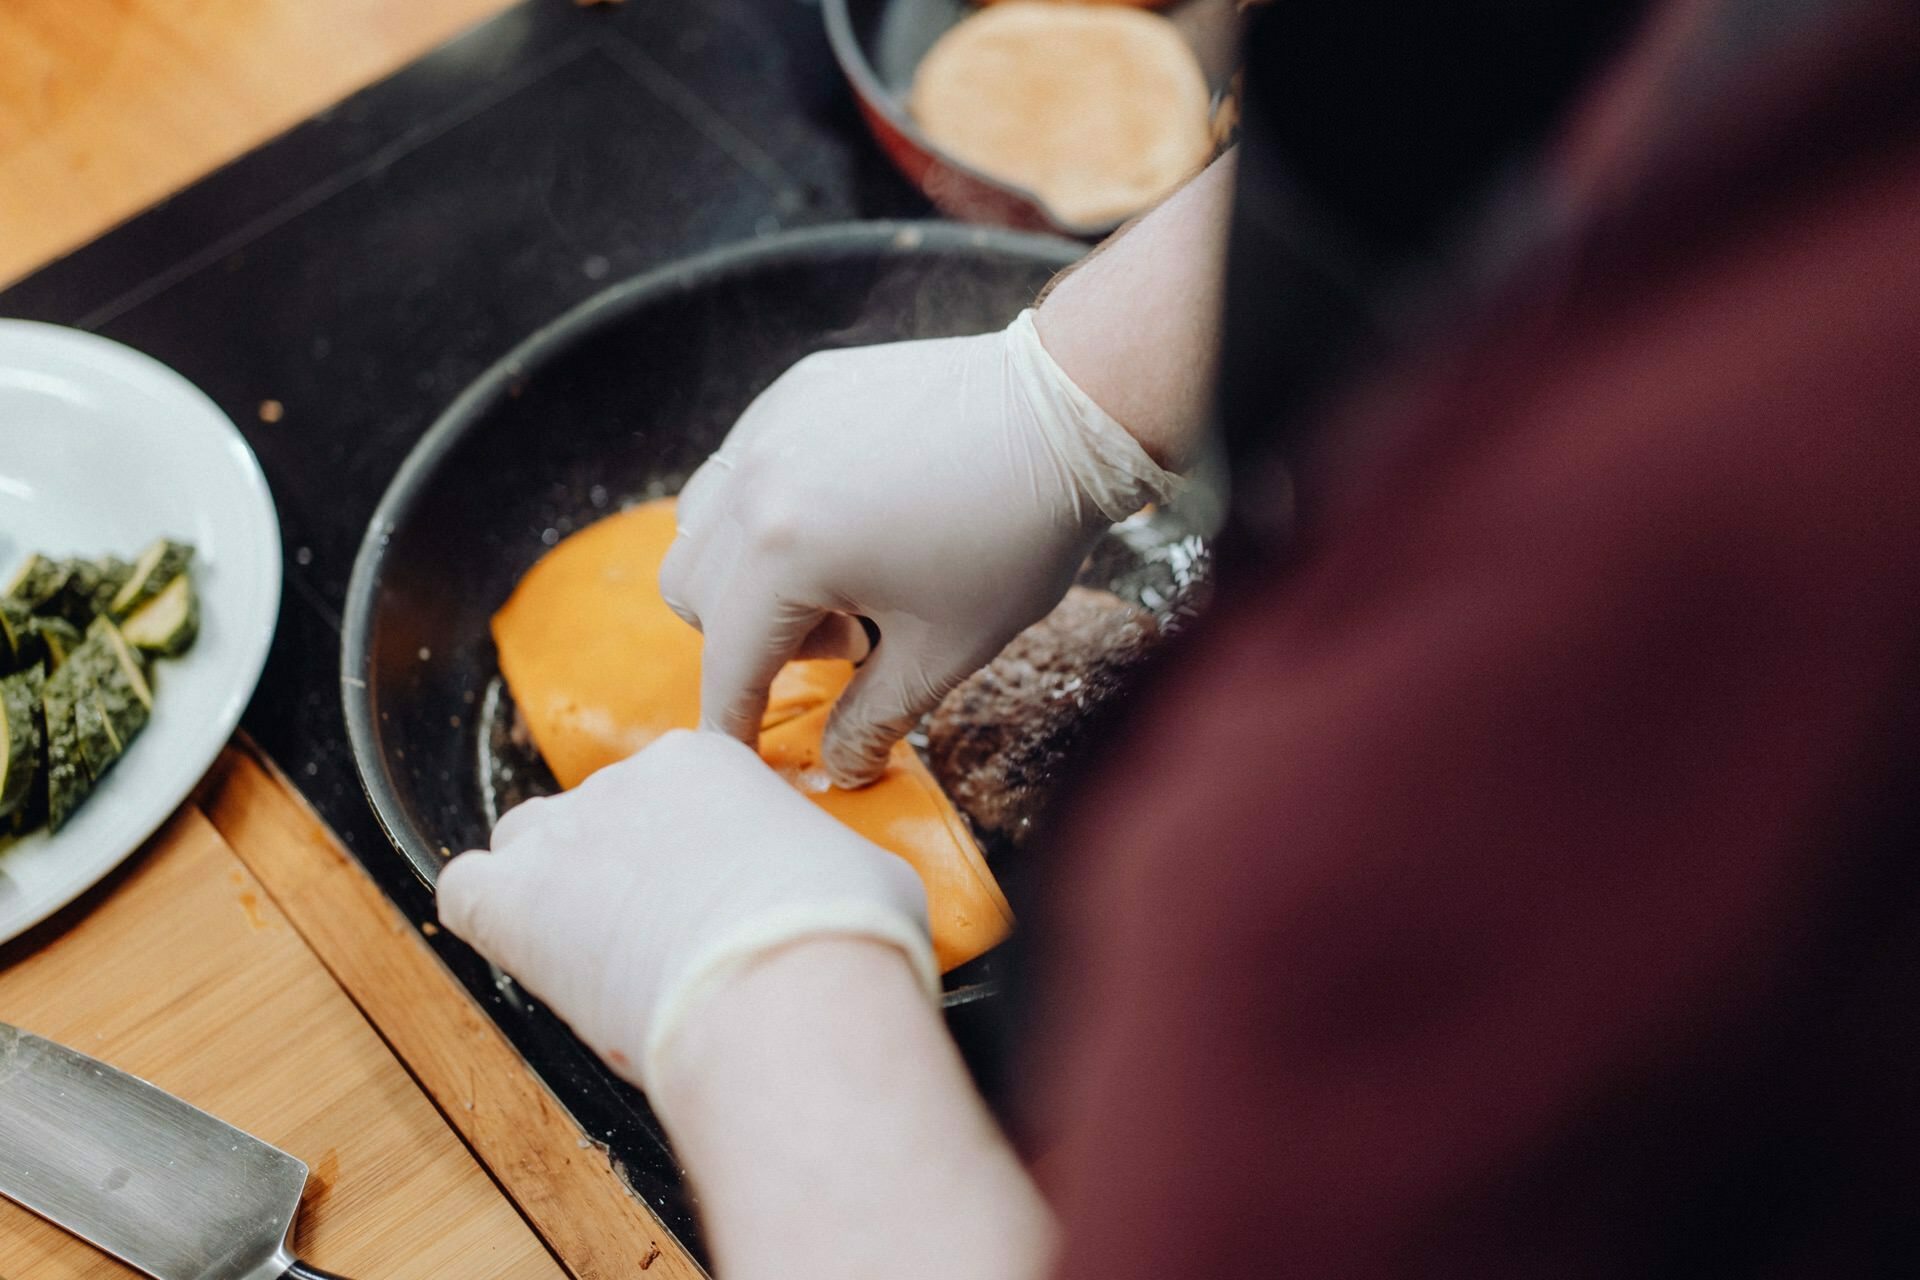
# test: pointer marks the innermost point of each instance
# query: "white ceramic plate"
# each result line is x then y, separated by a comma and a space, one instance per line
103, 449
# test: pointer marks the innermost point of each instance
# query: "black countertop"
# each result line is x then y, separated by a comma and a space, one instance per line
363, 268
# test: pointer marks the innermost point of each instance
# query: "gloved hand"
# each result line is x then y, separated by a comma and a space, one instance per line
624, 901
945, 489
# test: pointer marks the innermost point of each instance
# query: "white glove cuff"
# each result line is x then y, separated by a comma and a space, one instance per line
775, 927
1111, 469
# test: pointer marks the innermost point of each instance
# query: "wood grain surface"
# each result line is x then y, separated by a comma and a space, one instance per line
107, 106
564, 1184
182, 970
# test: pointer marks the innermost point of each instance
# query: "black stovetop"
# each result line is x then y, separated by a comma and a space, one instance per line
363, 268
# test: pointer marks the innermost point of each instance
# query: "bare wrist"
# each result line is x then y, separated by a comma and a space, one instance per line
804, 1100
791, 994
1136, 325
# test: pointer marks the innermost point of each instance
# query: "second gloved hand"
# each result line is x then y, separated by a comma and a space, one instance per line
946, 489
622, 902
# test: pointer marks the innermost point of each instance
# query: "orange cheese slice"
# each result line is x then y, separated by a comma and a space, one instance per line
600, 667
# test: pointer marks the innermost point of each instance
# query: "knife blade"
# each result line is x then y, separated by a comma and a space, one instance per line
140, 1174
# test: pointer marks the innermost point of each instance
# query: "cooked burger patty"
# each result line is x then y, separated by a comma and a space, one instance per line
999, 741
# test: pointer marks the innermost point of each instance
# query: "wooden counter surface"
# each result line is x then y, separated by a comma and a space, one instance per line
107, 106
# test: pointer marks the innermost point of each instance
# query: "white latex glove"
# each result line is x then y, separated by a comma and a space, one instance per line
946, 489
624, 901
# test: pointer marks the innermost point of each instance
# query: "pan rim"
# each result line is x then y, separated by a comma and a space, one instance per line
528, 356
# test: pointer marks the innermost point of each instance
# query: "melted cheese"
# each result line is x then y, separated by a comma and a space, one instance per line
600, 667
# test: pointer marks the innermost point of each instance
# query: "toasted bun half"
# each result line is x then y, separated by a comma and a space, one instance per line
1098, 110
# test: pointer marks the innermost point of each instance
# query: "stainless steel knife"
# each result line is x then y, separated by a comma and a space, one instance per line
139, 1174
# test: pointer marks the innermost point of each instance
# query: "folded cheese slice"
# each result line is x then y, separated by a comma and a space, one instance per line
600, 667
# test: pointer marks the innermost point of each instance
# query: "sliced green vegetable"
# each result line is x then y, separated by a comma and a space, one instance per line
114, 574
109, 710
36, 582
134, 672
60, 638
20, 645
82, 692
168, 623
68, 781
118, 685
74, 601
20, 741
162, 562
99, 748
33, 812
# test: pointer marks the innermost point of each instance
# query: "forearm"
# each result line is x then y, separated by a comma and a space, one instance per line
832, 1131
1137, 325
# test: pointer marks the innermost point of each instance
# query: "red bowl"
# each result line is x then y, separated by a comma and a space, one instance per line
879, 43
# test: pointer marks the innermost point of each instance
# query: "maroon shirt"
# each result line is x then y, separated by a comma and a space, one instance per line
1518, 877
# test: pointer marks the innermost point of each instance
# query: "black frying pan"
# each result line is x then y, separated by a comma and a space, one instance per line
618, 399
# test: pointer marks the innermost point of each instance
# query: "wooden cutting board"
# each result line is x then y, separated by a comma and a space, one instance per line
244, 962
187, 974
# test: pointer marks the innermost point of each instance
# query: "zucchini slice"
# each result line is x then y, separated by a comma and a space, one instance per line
168, 623
82, 692
68, 782
120, 702
20, 644
114, 574
121, 657
107, 711
74, 600
36, 582
60, 637
99, 748
19, 738
162, 562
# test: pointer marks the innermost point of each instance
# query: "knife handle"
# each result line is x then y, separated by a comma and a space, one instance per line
301, 1271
